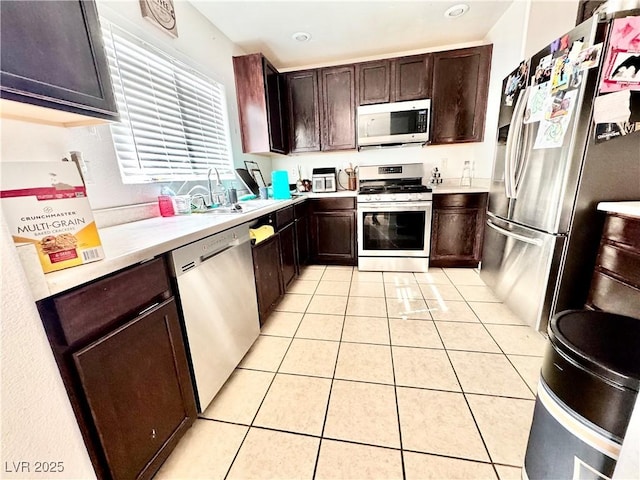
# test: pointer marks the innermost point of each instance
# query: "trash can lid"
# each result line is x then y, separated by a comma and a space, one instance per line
603, 343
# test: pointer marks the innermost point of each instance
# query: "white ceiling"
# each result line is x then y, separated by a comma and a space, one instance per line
347, 30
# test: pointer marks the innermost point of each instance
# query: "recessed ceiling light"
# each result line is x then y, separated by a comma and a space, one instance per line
301, 36
456, 11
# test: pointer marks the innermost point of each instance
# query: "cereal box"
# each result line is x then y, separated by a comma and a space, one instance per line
46, 204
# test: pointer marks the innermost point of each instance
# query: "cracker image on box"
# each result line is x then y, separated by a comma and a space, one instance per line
46, 204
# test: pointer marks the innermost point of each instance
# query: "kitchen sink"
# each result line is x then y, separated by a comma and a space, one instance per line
245, 207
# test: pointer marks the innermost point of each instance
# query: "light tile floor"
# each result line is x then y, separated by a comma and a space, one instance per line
370, 375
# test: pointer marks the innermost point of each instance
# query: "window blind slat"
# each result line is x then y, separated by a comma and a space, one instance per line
174, 120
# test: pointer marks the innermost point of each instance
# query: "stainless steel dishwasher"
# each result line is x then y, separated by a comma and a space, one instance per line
218, 296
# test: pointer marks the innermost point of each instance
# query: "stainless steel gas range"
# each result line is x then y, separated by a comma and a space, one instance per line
394, 218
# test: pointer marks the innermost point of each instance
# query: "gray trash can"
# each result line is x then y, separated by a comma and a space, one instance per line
588, 386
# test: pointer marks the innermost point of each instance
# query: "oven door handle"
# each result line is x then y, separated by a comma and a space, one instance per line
395, 207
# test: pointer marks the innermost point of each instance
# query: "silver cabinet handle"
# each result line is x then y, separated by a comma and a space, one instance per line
507, 233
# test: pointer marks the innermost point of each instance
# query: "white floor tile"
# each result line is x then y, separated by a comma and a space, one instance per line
364, 413
505, 424
353, 461
358, 338
296, 404
240, 397
419, 466
267, 454
205, 451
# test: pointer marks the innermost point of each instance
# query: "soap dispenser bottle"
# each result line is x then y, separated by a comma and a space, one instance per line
465, 178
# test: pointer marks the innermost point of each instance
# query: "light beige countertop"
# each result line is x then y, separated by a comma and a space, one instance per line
130, 243
339, 193
452, 185
441, 190
624, 208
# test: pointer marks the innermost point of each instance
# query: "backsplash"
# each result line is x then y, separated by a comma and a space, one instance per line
448, 158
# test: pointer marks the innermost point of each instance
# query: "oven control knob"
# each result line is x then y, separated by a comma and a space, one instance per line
377, 197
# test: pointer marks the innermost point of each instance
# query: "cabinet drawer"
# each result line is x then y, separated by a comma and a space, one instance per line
301, 209
335, 203
89, 309
623, 230
623, 263
459, 200
284, 217
610, 295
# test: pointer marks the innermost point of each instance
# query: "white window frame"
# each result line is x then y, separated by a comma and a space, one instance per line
174, 122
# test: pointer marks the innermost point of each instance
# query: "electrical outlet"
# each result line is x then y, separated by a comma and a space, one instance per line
445, 164
294, 173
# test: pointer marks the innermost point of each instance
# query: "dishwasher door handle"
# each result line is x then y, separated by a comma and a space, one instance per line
208, 256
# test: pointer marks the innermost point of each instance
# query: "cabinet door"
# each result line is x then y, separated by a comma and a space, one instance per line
275, 94
338, 108
268, 272
260, 104
460, 86
302, 240
374, 80
138, 389
288, 252
333, 237
304, 111
457, 230
53, 56
411, 78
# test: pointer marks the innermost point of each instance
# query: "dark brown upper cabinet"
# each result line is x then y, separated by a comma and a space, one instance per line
374, 82
304, 111
338, 119
411, 78
53, 56
260, 94
395, 80
460, 87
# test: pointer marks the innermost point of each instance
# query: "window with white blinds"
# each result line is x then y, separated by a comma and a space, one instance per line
174, 123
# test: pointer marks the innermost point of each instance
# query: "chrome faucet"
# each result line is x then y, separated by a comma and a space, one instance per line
218, 196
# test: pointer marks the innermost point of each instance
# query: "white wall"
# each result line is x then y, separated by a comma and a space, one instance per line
548, 20
36, 418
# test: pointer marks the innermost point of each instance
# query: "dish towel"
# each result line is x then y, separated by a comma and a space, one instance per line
260, 234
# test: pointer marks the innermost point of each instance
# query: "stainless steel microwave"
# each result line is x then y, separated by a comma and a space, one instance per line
394, 123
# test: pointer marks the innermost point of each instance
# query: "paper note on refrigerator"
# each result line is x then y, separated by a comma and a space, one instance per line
557, 115
551, 133
612, 108
538, 96
622, 60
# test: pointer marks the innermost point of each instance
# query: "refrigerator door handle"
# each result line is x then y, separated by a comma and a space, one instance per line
507, 233
513, 147
522, 154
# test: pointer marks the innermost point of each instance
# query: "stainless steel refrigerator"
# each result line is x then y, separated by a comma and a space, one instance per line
543, 227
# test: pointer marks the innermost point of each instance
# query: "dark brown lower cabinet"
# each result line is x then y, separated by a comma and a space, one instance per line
333, 231
302, 241
268, 272
288, 251
457, 229
119, 346
136, 382
615, 285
